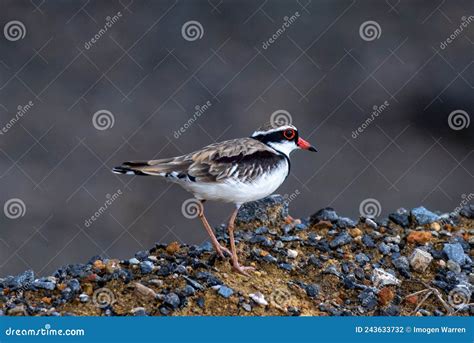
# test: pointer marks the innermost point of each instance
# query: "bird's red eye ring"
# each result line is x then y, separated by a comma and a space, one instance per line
289, 134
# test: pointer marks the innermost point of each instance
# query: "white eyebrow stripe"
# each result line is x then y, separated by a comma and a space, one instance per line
280, 128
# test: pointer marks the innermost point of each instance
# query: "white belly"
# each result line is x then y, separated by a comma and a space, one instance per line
239, 192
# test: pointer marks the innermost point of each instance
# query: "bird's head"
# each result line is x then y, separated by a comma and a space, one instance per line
283, 138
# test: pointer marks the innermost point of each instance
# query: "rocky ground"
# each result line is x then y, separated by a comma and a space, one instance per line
413, 263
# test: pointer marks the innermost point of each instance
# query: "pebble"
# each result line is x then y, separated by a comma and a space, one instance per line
402, 265
454, 266
83, 298
422, 216
292, 253
381, 278
420, 237
455, 252
362, 259
139, 311
208, 278
325, 214
247, 307
342, 239
201, 302
225, 291
368, 241
258, 298
370, 223
172, 300
301, 227
401, 219
384, 248
368, 299
346, 222
133, 261
144, 291
146, 267
44, 284
420, 259
193, 283
312, 290
261, 230
188, 291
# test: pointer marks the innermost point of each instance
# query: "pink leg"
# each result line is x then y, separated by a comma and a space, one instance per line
235, 260
215, 243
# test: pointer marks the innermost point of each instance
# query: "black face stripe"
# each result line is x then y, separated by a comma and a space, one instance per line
275, 137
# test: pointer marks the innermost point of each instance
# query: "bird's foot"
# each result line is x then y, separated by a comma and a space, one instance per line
220, 250
223, 250
242, 269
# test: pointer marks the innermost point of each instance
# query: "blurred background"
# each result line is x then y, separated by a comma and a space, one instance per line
86, 85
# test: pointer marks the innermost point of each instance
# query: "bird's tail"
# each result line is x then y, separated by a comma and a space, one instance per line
132, 168
164, 167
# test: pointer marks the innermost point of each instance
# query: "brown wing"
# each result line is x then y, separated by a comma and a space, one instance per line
244, 158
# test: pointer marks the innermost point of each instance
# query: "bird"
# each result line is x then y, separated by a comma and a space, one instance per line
234, 171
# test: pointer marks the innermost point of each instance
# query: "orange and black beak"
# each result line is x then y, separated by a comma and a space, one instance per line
305, 145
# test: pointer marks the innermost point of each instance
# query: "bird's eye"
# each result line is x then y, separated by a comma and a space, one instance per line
289, 134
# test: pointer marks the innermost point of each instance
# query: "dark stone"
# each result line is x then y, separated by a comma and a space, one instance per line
261, 230
260, 239
201, 302
270, 259
342, 239
301, 227
188, 291
346, 222
312, 290
325, 214
402, 265
401, 219
206, 247
271, 210
142, 255
368, 299
44, 284
193, 283
172, 300
209, 278
362, 259
384, 248
146, 267
422, 216
368, 241
74, 285
286, 266
455, 252
289, 238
